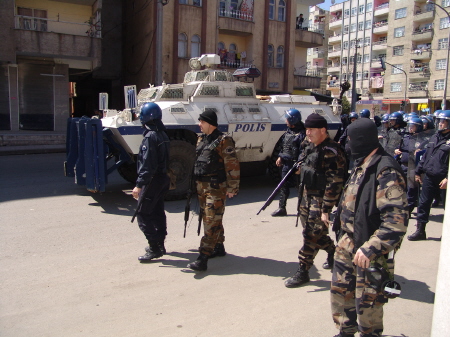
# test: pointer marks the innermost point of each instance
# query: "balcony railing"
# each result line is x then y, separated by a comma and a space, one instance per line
422, 30
382, 6
55, 26
236, 14
417, 87
310, 72
380, 42
380, 23
235, 64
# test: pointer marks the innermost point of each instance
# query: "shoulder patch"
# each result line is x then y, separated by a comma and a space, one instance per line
331, 149
394, 192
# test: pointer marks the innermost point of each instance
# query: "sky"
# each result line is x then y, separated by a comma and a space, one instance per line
327, 3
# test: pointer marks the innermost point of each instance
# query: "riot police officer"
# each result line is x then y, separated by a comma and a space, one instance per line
364, 113
288, 155
434, 168
152, 182
217, 173
394, 134
322, 177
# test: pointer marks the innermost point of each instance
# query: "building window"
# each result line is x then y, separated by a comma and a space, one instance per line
270, 55
353, 27
445, 3
32, 19
397, 69
345, 44
443, 23
183, 2
271, 9
439, 85
400, 13
369, 7
352, 44
182, 45
281, 10
367, 41
441, 64
366, 74
443, 43
353, 11
361, 25
344, 61
197, 3
396, 86
347, 13
366, 58
195, 46
398, 50
280, 57
361, 9
220, 46
368, 24
358, 58
399, 32
346, 29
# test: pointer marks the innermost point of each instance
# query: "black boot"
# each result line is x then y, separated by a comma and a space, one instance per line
153, 251
201, 264
343, 334
219, 250
300, 277
330, 260
279, 212
419, 234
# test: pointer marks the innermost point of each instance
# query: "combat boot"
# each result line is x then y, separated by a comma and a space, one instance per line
162, 248
343, 334
419, 234
153, 252
300, 277
201, 264
280, 212
219, 250
330, 260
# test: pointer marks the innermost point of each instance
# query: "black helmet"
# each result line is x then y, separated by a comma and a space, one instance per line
150, 112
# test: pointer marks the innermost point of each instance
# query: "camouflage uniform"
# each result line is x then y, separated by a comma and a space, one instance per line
330, 160
355, 305
213, 186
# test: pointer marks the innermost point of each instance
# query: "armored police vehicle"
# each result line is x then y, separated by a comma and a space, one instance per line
255, 123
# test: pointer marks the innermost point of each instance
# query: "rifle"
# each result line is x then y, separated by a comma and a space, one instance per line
187, 208
200, 216
300, 196
280, 185
141, 200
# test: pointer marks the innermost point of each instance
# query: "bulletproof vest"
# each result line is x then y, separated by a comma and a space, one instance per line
393, 141
312, 174
288, 141
208, 161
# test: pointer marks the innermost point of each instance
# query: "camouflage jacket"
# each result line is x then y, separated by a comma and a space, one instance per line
373, 207
227, 154
332, 163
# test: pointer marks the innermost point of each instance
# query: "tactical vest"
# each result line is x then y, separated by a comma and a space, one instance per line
288, 149
393, 141
312, 173
209, 162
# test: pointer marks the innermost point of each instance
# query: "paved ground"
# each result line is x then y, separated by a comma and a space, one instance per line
68, 262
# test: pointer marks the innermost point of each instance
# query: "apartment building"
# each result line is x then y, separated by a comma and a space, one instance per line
244, 33
56, 57
412, 36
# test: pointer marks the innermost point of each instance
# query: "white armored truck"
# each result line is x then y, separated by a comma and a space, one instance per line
255, 123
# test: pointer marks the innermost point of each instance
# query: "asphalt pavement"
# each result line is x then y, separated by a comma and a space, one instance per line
69, 266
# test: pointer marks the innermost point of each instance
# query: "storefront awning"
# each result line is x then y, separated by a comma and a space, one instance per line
418, 100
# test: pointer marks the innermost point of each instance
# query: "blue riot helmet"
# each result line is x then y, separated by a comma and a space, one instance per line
426, 122
417, 122
364, 113
396, 118
413, 113
352, 115
293, 116
150, 112
406, 117
431, 120
443, 116
385, 118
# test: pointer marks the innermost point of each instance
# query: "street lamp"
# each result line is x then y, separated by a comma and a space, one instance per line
444, 99
383, 65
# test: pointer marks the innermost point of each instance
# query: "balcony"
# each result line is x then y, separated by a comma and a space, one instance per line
419, 54
381, 9
380, 27
235, 22
307, 39
379, 45
422, 34
335, 22
335, 52
50, 38
420, 71
334, 68
424, 15
334, 38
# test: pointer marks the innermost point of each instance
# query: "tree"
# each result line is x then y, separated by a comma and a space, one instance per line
345, 105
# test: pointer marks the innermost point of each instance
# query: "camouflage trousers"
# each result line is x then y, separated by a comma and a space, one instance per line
355, 306
315, 232
212, 206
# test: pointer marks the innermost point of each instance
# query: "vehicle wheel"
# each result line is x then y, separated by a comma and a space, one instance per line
181, 162
128, 171
274, 170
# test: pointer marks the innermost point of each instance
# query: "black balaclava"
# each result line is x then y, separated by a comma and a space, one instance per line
363, 138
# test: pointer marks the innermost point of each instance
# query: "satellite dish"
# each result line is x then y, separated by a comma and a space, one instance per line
194, 63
